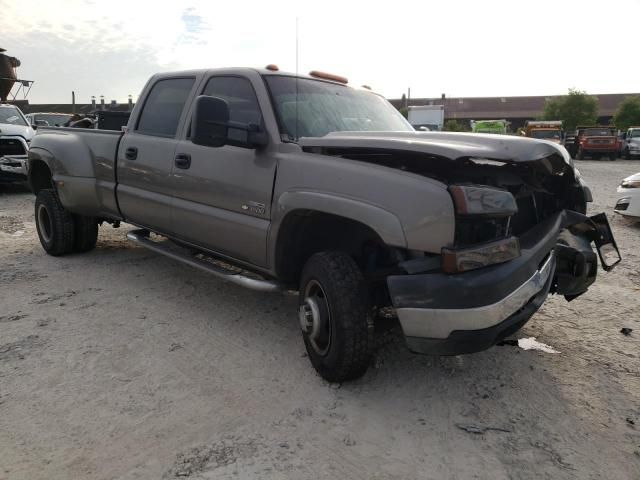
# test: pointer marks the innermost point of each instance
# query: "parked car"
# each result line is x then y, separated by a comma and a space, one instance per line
42, 119
596, 142
631, 143
15, 134
628, 203
302, 182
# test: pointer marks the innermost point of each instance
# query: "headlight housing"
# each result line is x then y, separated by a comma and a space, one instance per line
630, 183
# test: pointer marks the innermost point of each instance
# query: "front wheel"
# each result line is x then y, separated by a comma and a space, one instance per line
337, 327
579, 155
86, 233
54, 224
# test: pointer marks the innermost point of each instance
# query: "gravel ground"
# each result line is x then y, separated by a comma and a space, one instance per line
120, 364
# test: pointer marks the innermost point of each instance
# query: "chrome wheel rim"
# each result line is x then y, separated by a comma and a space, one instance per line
44, 222
315, 318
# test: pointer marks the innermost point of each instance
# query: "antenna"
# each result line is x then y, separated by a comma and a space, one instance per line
296, 134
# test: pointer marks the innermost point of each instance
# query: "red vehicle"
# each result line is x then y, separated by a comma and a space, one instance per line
596, 142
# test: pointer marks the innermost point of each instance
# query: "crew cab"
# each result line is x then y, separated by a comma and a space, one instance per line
15, 135
276, 182
597, 142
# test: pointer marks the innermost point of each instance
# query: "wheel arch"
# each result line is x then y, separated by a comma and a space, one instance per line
305, 231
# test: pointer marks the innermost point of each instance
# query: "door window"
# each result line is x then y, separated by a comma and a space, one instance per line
163, 107
242, 101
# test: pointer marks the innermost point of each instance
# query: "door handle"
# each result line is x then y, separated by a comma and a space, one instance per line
183, 160
131, 153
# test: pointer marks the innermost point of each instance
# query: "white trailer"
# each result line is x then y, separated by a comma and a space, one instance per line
429, 116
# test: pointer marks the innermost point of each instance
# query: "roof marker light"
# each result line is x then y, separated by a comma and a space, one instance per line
328, 76
273, 67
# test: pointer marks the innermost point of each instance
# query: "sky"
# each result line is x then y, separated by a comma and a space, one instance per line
460, 48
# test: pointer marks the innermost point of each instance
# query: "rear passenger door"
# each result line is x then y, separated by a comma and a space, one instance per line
223, 198
146, 154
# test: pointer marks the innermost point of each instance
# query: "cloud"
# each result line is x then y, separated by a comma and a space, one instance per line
459, 48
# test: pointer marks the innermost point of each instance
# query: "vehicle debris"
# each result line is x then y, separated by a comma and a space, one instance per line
532, 344
626, 331
479, 430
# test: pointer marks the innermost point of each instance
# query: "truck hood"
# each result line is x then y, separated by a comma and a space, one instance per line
450, 145
23, 131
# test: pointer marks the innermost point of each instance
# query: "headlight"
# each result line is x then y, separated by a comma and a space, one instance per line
630, 184
482, 200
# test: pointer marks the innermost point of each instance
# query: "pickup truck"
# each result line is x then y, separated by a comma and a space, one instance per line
15, 135
277, 182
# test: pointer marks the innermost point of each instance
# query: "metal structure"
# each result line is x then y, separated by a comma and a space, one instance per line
9, 78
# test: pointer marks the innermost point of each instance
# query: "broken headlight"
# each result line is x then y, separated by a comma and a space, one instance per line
483, 200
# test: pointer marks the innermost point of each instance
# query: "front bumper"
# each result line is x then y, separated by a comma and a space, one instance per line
13, 168
628, 202
464, 313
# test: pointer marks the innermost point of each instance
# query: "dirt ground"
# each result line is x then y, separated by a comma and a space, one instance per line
121, 364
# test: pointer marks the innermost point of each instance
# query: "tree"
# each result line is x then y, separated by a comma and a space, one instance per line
576, 108
628, 113
454, 126
404, 111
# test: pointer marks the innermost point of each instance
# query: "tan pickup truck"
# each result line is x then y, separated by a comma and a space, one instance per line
278, 181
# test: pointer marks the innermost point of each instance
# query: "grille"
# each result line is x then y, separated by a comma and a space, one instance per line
10, 146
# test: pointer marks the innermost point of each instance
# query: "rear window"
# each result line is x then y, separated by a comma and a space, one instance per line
598, 132
163, 107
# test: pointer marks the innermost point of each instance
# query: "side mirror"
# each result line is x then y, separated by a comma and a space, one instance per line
211, 126
34, 126
210, 122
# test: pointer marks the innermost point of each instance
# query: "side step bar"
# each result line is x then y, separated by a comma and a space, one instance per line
141, 237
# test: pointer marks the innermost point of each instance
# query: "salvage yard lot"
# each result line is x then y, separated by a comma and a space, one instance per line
121, 364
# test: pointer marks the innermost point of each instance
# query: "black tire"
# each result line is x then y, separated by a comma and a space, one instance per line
626, 155
340, 347
54, 224
86, 233
579, 155
612, 157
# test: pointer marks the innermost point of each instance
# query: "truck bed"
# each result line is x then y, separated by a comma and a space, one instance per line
89, 166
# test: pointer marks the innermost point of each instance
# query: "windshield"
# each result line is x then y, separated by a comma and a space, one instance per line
598, 132
554, 134
323, 107
51, 119
634, 133
11, 116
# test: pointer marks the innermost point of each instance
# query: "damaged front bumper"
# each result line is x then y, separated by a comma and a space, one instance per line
468, 312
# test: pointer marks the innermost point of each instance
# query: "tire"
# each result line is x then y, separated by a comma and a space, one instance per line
54, 224
579, 155
336, 323
86, 233
612, 157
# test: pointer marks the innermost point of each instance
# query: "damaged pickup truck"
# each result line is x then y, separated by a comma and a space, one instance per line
283, 182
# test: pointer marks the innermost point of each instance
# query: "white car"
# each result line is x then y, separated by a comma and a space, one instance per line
15, 135
629, 201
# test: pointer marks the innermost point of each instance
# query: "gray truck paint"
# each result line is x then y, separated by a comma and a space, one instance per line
233, 201
204, 206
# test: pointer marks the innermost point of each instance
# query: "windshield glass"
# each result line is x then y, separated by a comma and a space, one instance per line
52, 119
553, 134
11, 116
598, 132
322, 108
634, 133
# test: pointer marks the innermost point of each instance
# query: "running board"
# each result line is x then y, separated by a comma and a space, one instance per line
141, 237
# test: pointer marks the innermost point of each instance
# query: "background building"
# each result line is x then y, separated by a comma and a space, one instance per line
515, 109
